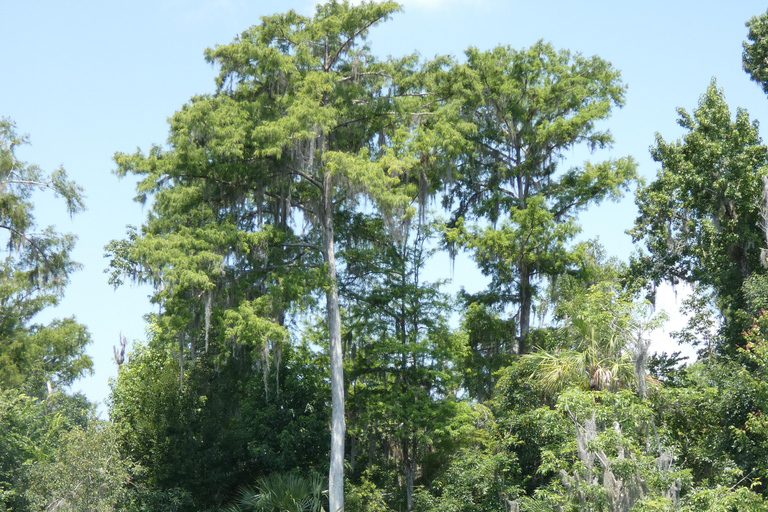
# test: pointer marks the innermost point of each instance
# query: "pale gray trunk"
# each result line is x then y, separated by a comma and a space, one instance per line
410, 472
338, 426
641, 360
120, 354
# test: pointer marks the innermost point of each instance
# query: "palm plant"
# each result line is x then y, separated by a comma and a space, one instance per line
598, 344
594, 364
283, 492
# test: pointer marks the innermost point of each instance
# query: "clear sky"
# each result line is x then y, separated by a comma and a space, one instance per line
88, 78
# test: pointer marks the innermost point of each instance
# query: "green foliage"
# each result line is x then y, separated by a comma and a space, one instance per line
36, 361
473, 467
711, 419
600, 340
222, 428
46, 253
700, 218
721, 499
366, 497
403, 357
491, 341
528, 424
284, 492
667, 368
516, 135
755, 296
755, 53
617, 461
33, 274
30, 432
85, 472
473, 480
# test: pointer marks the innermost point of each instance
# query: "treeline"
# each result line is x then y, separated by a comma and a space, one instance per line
304, 358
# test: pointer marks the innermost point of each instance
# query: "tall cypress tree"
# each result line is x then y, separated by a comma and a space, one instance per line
304, 119
522, 110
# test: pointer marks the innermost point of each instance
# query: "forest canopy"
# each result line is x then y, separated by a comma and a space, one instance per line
301, 356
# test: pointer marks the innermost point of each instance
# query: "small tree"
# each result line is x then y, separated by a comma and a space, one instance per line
33, 274
600, 345
403, 356
86, 472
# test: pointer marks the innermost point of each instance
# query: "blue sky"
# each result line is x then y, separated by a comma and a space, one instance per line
88, 78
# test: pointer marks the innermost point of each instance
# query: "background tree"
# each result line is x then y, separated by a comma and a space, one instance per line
35, 358
523, 109
37, 361
403, 357
30, 431
599, 339
617, 463
86, 472
755, 56
223, 429
700, 218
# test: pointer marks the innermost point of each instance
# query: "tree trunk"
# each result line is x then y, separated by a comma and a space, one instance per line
353, 454
338, 426
409, 459
525, 309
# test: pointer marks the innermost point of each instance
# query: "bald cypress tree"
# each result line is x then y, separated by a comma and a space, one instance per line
521, 111
304, 121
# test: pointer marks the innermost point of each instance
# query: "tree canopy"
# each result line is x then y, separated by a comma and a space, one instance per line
523, 111
292, 219
701, 218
